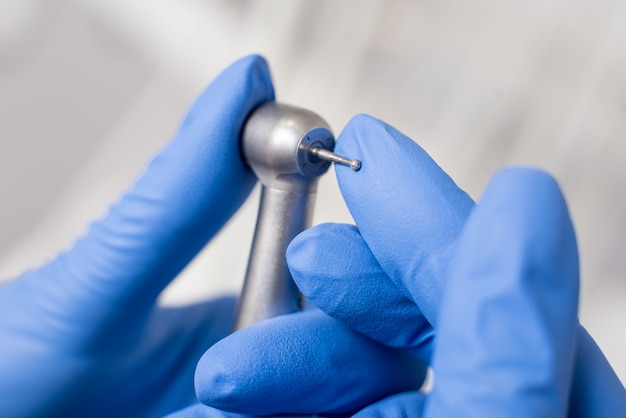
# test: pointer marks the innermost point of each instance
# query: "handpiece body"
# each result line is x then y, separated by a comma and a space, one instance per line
276, 143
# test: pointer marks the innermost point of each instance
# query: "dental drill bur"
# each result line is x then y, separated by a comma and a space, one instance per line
288, 148
330, 156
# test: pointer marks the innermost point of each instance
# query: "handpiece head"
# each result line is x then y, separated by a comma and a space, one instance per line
288, 147
277, 142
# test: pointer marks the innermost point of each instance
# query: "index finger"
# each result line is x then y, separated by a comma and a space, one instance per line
407, 209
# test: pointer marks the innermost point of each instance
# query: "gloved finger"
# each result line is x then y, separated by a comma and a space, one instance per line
596, 390
203, 411
409, 212
507, 327
334, 269
408, 404
316, 364
188, 191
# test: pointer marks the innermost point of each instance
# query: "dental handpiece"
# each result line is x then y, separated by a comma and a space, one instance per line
288, 149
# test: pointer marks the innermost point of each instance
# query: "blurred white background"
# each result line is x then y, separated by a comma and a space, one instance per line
89, 89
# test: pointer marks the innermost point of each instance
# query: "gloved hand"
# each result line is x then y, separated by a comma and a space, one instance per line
498, 282
82, 336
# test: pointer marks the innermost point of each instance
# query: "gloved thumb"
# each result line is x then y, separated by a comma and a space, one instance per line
188, 191
508, 319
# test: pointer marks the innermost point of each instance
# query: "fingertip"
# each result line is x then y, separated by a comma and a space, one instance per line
335, 269
537, 200
258, 64
211, 382
245, 84
186, 194
408, 404
258, 72
364, 137
309, 358
236, 373
525, 211
302, 251
408, 210
330, 264
321, 253
524, 183
508, 319
203, 411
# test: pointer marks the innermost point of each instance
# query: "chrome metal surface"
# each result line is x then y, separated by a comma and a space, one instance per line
276, 144
324, 154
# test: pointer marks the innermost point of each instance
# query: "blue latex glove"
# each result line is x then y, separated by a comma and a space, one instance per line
81, 335
299, 364
499, 283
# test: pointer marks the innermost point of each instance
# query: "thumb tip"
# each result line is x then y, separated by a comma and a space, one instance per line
217, 378
256, 64
530, 191
302, 249
525, 178
316, 257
